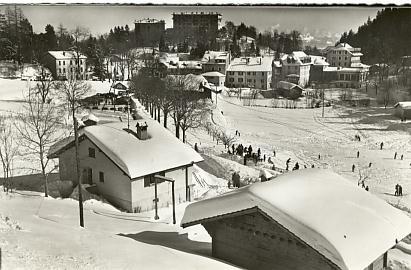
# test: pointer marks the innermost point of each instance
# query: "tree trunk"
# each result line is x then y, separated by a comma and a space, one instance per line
158, 114
184, 135
165, 118
177, 124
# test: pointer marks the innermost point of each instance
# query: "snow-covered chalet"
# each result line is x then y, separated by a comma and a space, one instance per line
304, 220
122, 162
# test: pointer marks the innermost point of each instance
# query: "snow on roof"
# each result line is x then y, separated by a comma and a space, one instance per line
319, 60
210, 56
403, 104
299, 54
320, 207
240, 64
213, 74
287, 85
65, 55
90, 117
137, 158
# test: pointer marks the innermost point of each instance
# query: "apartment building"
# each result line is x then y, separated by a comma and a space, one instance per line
343, 55
216, 61
148, 32
295, 68
254, 72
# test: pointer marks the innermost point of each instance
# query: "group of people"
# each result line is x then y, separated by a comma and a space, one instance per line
395, 156
235, 180
398, 190
358, 138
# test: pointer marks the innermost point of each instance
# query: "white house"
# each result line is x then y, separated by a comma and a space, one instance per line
296, 68
122, 163
64, 64
304, 220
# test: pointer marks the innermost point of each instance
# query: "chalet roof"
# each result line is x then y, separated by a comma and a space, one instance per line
211, 56
213, 74
322, 208
136, 158
240, 64
63, 55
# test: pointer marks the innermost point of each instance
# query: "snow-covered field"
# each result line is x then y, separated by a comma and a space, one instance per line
39, 233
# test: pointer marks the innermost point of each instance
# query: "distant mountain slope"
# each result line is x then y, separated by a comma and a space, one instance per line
385, 38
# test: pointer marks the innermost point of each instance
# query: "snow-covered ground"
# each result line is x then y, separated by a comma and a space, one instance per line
38, 233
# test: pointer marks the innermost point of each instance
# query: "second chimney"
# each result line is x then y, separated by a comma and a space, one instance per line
142, 130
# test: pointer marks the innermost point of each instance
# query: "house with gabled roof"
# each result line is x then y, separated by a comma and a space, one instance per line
304, 220
64, 64
121, 163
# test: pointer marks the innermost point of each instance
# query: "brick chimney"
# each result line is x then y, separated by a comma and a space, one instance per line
142, 130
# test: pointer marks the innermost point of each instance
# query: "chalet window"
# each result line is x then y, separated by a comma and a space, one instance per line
64, 70
248, 73
81, 69
59, 63
240, 73
59, 70
64, 62
231, 79
71, 62
101, 177
263, 73
91, 152
240, 79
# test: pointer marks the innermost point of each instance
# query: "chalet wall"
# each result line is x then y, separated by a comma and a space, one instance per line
254, 242
143, 196
116, 187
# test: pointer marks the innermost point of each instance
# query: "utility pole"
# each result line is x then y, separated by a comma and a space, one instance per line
155, 199
322, 87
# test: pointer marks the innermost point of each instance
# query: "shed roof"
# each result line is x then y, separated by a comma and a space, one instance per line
323, 209
403, 104
288, 85
137, 158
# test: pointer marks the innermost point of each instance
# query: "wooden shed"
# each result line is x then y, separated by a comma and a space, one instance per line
403, 109
307, 219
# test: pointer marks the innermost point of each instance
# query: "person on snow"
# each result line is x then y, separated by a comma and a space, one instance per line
258, 152
196, 147
269, 160
369, 165
366, 188
296, 166
274, 152
402, 157
381, 145
264, 158
232, 147
353, 168
358, 154
395, 155
399, 190
396, 190
319, 156
312, 166
250, 150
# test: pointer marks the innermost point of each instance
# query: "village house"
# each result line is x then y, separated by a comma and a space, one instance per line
276, 225
254, 72
295, 68
245, 44
64, 64
122, 163
216, 61
403, 109
318, 64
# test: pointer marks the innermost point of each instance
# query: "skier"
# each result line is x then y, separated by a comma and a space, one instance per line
395, 155
258, 152
399, 190
264, 158
296, 166
396, 189
312, 166
358, 154
353, 168
402, 157
319, 156
369, 165
274, 152
245, 160
366, 188
381, 145
232, 147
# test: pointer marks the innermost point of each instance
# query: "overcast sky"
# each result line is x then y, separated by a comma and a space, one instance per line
99, 19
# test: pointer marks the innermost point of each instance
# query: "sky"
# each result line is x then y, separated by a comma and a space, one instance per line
100, 19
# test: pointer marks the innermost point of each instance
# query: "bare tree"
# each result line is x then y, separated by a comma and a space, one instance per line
227, 138
386, 93
44, 86
39, 127
193, 114
73, 91
9, 149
